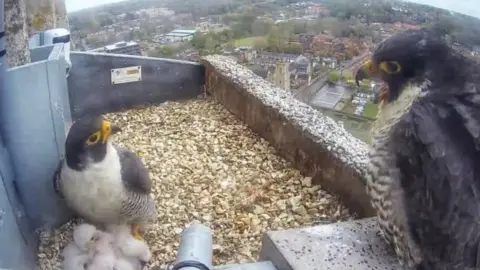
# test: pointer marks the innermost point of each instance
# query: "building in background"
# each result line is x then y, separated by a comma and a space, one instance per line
279, 75
122, 47
179, 36
302, 69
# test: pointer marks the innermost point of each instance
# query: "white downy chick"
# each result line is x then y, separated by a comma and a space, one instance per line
78, 253
104, 258
128, 245
124, 264
84, 235
74, 258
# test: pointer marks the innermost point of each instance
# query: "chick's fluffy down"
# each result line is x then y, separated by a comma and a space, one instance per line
78, 254
74, 258
114, 249
128, 245
84, 236
124, 264
104, 258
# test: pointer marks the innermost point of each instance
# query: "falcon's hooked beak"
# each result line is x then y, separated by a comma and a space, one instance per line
371, 71
108, 129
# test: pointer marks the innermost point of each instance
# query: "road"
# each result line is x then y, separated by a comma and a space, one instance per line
306, 93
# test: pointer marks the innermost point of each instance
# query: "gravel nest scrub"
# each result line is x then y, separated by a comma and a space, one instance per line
207, 165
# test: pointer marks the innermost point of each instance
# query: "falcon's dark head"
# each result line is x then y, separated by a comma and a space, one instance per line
87, 140
402, 59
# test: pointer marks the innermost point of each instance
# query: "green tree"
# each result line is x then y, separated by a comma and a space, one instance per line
260, 44
365, 86
277, 39
130, 35
224, 36
243, 25
348, 77
294, 48
274, 42
300, 26
333, 76
165, 51
210, 43
260, 27
94, 41
93, 25
130, 16
285, 29
318, 26
198, 40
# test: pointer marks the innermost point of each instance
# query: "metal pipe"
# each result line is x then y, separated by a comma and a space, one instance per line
196, 249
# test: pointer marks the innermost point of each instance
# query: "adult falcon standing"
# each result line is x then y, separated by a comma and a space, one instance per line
424, 171
103, 183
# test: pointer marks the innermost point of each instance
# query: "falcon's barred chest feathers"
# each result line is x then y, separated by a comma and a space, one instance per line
424, 172
104, 184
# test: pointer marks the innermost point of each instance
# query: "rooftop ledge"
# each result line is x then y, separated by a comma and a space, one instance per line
318, 147
315, 144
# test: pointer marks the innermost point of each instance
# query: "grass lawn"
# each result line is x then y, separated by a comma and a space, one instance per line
349, 108
249, 41
370, 110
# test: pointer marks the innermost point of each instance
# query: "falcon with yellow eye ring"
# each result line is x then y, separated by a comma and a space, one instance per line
94, 138
103, 183
423, 173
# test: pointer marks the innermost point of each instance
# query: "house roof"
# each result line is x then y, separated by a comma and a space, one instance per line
259, 70
302, 60
184, 31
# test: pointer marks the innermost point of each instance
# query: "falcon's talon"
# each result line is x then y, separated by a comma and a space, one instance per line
135, 232
138, 236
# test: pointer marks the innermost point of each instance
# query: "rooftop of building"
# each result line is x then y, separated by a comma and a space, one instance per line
120, 45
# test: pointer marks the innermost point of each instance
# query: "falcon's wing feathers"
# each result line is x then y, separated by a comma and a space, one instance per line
134, 173
436, 145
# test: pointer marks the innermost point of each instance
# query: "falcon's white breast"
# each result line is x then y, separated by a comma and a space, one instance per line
98, 191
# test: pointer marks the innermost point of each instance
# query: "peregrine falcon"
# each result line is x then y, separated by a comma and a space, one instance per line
424, 171
104, 184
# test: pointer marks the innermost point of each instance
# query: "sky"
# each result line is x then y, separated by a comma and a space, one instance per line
74, 5
468, 7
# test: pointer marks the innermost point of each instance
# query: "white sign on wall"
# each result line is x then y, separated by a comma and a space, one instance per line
126, 74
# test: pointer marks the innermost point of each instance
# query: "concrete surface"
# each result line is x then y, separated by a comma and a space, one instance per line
328, 96
305, 94
35, 116
40, 53
34, 112
91, 90
265, 265
348, 245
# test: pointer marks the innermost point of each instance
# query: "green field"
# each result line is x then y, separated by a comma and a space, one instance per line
371, 110
349, 108
249, 41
